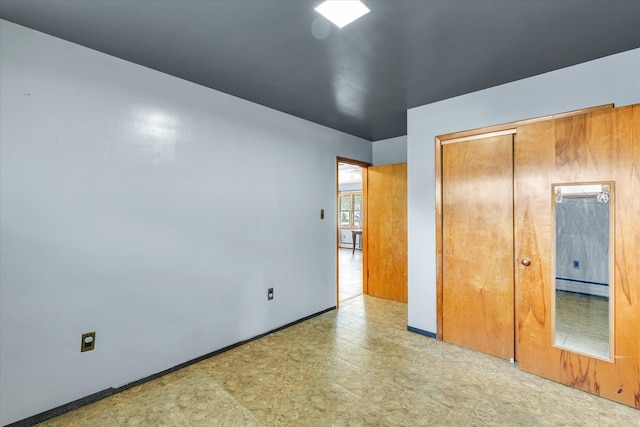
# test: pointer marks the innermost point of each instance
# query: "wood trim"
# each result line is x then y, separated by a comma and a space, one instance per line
612, 271
480, 136
469, 135
439, 254
364, 219
512, 125
353, 162
338, 237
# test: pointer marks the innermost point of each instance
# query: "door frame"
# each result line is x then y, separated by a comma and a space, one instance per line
469, 135
363, 220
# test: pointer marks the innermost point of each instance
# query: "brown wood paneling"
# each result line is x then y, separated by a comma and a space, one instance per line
474, 134
477, 240
533, 145
386, 238
599, 146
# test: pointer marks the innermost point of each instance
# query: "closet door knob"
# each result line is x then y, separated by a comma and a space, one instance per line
526, 262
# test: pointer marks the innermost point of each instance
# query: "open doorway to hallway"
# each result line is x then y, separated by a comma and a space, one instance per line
350, 215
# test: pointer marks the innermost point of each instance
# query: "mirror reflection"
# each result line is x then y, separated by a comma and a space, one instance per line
583, 259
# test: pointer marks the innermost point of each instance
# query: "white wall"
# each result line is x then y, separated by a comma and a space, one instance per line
613, 79
350, 186
117, 217
389, 151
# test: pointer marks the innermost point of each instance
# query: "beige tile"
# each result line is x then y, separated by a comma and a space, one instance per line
156, 415
98, 414
613, 414
350, 274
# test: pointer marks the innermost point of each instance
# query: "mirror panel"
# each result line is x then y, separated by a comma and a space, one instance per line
582, 295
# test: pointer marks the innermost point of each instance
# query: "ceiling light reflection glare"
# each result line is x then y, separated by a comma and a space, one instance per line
342, 12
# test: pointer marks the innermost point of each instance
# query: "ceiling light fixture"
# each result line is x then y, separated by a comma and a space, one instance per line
342, 12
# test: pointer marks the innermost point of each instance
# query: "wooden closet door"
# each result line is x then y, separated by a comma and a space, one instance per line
386, 238
477, 200
599, 146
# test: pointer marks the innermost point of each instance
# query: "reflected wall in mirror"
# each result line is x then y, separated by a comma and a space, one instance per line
583, 268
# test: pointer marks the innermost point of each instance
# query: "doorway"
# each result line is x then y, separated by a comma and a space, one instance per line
350, 216
371, 238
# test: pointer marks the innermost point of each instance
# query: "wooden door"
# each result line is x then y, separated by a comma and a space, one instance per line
599, 146
386, 240
477, 202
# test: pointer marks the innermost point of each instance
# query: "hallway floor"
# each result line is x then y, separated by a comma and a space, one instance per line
356, 366
350, 273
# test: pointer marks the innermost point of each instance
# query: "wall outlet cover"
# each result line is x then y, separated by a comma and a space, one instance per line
88, 341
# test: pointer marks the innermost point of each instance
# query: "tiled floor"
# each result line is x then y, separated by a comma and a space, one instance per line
350, 273
582, 323
356, 366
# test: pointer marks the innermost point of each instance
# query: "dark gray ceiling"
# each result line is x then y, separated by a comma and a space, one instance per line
360, 79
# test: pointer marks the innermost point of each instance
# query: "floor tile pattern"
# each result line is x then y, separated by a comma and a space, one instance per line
355, 366
349, 273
